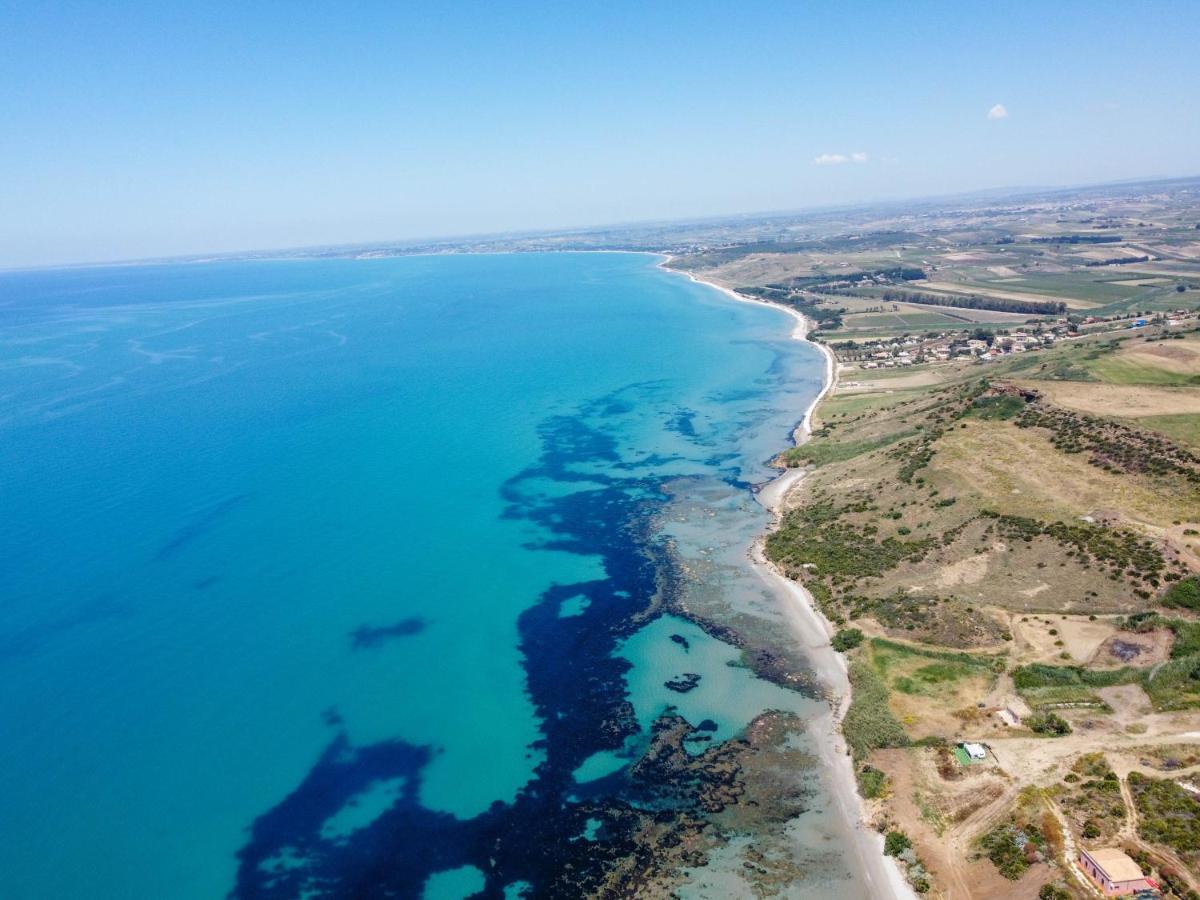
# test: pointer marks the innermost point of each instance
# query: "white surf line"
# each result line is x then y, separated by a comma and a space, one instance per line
882, 874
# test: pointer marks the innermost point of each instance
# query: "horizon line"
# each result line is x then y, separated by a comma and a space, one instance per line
1011, 191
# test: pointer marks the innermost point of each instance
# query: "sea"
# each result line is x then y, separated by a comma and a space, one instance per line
376, 577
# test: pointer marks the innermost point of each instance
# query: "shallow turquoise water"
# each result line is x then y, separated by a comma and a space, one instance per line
251, 506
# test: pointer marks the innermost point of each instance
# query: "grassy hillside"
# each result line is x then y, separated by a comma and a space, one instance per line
1015, 535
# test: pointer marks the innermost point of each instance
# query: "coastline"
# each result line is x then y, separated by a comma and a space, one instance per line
881, 874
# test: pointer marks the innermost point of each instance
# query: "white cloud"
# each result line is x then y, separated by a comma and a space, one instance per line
837, 159
998, 112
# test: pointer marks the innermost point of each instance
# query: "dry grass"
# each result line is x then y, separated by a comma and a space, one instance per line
1018, 472
1043, 639
925, 693
1125, 401
1181, 357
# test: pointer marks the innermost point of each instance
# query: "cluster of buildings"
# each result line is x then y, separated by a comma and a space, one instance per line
890, 353
908, 350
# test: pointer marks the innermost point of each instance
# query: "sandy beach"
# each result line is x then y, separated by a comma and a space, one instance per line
881, 873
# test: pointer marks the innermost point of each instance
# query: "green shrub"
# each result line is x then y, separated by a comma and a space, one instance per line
1005, 847
1167, 814
895, 843
1184, 594
847, 639
872, 783
1048, 723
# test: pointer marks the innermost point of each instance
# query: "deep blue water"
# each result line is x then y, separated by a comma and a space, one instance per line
297, 557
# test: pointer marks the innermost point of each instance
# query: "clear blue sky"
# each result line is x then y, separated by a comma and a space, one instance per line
134, 129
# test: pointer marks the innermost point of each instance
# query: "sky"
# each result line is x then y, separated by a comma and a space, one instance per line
132, 130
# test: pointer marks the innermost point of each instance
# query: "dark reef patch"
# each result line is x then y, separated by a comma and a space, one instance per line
365, 636
654, 817
681, 641
684, 423
681, 684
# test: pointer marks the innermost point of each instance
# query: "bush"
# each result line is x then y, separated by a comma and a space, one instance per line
1005, 847
1053, 892
847, 639
895, 843
872, 783
1048, 723
1184, 594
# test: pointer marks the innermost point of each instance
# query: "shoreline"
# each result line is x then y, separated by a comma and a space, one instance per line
881, 875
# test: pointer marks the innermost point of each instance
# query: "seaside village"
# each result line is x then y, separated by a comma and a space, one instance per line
985, 346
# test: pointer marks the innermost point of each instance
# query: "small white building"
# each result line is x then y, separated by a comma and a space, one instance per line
975, 751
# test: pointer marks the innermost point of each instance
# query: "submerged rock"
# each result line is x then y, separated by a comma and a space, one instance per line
683, 683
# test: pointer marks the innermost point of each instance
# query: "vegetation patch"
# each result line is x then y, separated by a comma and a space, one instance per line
1175, 684
1172, 685
1091, 798
1122, 551
978, 301
847, 639
1167, 815
1112, 445
823, 452
1049, 723
1011, 849
872, 783
1184, 594
869, 723
839, 551
932, 619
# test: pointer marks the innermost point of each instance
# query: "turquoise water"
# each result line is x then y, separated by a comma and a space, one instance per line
256, 514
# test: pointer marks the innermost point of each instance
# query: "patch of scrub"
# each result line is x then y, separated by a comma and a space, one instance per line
454, 884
